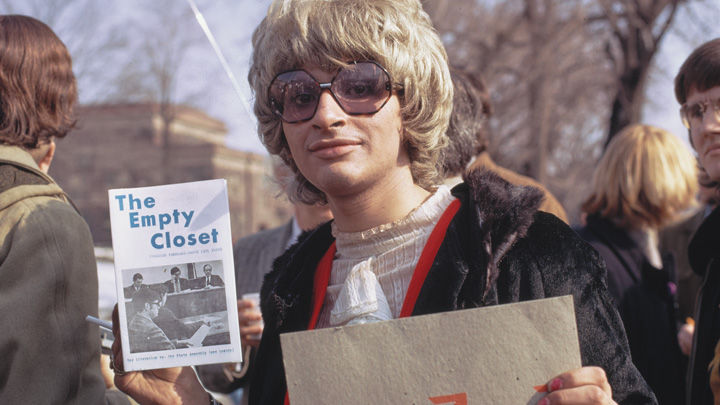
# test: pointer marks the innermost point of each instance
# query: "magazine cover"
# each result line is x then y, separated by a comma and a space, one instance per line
174, 275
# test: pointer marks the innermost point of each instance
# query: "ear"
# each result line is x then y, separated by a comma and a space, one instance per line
46, 159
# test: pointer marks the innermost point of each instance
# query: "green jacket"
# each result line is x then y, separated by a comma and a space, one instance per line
48, 284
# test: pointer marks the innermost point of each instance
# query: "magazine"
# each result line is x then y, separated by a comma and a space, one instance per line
175, 275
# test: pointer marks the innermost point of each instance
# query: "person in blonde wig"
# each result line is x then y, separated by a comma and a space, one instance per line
645, 181
331, 36
355, 97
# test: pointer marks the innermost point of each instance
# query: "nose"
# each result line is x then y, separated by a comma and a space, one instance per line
329, 114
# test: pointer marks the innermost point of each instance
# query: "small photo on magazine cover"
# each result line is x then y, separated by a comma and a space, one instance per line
176, 306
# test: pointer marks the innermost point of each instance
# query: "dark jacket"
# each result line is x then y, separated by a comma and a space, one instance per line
518, 254
185, 284
130, 290
49, 354
645, 298
254, 255
703, 253
215, 281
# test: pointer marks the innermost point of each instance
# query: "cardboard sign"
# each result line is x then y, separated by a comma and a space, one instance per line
495, 355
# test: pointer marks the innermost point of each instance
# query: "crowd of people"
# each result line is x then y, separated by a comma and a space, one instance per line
399, 211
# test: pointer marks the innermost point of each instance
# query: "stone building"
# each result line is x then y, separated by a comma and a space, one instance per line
122, 146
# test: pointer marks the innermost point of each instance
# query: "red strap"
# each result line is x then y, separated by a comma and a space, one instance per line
427, 257
322, 278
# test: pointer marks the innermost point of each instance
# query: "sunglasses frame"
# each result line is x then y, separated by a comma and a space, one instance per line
328, 86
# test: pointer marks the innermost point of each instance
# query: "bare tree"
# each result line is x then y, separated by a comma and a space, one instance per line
635, 28
160, 41
545, 73
92, 37
565, 75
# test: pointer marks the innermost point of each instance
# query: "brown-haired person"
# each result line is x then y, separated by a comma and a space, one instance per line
468, 140
645, 181
355, 97
697, 89
49, 353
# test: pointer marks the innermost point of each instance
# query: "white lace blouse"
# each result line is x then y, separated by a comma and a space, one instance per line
372, 269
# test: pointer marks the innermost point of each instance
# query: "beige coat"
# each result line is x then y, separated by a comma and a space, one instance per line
550, 204
48, 284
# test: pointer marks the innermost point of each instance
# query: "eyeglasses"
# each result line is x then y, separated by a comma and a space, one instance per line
363, 87
693, 115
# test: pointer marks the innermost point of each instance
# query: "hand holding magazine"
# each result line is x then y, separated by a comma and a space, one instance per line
168, 240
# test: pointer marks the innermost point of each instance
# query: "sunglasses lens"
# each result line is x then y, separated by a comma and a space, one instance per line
294, 96
362, 88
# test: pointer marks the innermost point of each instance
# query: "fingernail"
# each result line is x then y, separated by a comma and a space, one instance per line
544, 401
555, 384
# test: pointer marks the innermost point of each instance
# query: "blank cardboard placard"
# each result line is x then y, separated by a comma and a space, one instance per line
494, 355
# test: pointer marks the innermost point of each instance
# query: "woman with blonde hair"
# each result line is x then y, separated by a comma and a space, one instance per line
645, 181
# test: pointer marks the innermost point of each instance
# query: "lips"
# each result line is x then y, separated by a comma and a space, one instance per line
332, 148
714, 149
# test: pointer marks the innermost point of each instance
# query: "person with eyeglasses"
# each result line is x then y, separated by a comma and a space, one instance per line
144, 334
355, 97
697, 89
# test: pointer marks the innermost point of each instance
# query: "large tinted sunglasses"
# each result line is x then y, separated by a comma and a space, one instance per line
362, 87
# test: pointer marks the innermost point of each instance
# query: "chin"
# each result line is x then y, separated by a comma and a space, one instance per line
713, 170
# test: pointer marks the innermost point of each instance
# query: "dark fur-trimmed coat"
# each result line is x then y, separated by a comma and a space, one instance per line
497, 249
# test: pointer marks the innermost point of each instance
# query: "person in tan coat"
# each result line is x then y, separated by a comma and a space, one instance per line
468, 140
50, 354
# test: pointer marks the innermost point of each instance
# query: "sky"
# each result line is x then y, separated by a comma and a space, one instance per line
232, 29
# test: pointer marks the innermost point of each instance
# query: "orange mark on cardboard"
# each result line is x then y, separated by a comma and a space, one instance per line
454, 399
541, 388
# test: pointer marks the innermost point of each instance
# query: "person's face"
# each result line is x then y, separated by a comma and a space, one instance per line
207, 271
153, 308
706, 137
175, 276
345, 154
138, 282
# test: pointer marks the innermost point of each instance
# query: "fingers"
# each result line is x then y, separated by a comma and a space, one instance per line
685, 338
251, 323
248, 313
116, 361
250, 335
588, 394
117, 345
587, 385
249, 317
245, 304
